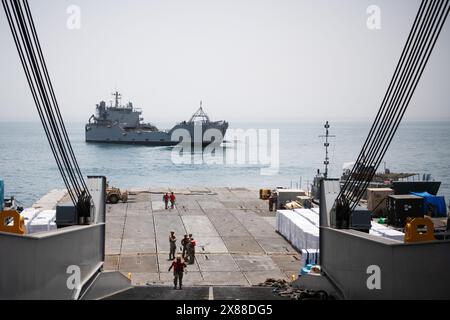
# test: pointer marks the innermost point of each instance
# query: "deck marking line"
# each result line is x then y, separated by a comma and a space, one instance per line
211, 293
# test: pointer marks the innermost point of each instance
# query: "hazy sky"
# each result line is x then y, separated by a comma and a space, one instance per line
246, 59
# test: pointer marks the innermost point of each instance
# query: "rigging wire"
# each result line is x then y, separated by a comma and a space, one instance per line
405, 101
25, 37
55, 101
415, 55
381, 110
35, 97
394, 108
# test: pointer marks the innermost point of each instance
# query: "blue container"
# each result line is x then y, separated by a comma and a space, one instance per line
2, 194
306, 270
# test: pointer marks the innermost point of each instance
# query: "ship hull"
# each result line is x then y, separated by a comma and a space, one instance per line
141, 143
117, 135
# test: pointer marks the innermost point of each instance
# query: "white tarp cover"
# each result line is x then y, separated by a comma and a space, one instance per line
299, 227
43, 221
28, 215
386, 232
310, 256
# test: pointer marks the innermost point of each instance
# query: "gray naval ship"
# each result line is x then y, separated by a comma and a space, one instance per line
124, 124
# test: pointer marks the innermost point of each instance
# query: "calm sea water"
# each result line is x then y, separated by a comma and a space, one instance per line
29, 171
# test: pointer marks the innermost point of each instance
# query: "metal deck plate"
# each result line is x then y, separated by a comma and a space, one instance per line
236, 239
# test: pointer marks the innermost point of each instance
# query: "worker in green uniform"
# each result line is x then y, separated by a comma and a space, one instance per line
173, 245
184, 244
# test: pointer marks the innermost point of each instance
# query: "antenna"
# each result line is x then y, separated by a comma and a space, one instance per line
117, 97
326, 145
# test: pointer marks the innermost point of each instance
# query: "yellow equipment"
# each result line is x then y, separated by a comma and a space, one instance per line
412, 234
18, 225
264, 194
114, 195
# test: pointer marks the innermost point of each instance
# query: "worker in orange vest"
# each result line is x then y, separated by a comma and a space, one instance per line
172, 200
178, 266
166, 200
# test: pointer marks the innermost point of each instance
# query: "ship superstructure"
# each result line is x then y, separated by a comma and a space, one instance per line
123, 124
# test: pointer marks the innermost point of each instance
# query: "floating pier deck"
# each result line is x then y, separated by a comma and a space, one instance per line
237, 244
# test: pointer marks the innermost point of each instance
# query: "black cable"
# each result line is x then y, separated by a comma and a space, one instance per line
399, 96
381, 131
27, 42
29, 79
54, 121
410, 67
405, 101
16, 40
48, 105
386, 97
55, 102
42, 92
393, 109
384, 118
443, 15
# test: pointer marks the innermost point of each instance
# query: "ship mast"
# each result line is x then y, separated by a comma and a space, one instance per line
200, 114
326, 145
117, 97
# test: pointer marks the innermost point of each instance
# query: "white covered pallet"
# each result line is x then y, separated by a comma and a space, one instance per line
310, 256
299, 227
43, 221
383, 231
28, 215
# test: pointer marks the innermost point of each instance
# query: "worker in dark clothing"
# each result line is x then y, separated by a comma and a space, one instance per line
273, 199
184, 243
173, 245
178, 266
271, 202
194, 244
166, 200
172, 200
191, 250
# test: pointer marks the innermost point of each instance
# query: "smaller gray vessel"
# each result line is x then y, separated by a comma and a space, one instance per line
123, 124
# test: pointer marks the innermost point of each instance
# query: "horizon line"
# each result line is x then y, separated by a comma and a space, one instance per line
252, 121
